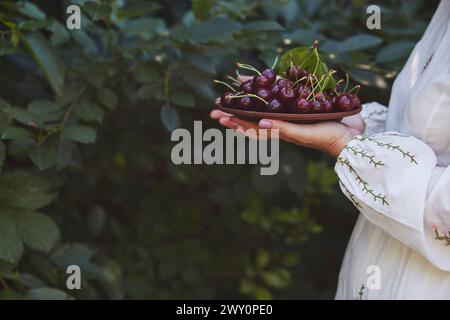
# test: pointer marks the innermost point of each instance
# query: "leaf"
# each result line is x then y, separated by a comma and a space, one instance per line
80, 133
368, 78
11, 246
97, 11
36, 230
108, 98
6, 47
170, 118
44, 155
214, 30
278, 280
89, 112
201, 8
395, 51
359, 42
183, 99
262, 25
42, 106
47, 58
9, 294
59, 32
23, 190
21, 115
30, 10
71, 253
96, 220
46, 294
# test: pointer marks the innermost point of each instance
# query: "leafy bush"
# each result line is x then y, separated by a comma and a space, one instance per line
85, 148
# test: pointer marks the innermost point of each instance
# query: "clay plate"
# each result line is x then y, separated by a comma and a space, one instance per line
291, 117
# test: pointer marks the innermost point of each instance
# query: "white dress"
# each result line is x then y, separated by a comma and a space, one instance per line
398, 175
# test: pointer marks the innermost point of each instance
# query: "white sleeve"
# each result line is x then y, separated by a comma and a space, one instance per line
374, 117
394, 180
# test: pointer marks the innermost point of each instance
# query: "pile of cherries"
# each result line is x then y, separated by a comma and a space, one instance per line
298, 92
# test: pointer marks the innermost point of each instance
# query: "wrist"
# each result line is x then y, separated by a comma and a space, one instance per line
337, 146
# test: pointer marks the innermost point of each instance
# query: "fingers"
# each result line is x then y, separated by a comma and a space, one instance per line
217, 114
298, 133
251, 129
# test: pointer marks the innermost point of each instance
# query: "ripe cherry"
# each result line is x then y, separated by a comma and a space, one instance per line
301, 105
264, 94
261, 81
293, 73
328, 106
317, 106
284, 83
275, 105
303, 92
344, 103
355, 100
287, 95
245, 103
247, 86
275, 91
270, 74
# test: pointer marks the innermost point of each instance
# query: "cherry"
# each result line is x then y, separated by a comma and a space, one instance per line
328, 106
226, 100
261, 82
287, 95
303, 92
284, 83
275, 105
320, 96
270, 74
344, 103
264, 94
245, 103
355, 100
247, 86
275, 91
301, 105
317, 106
293, 73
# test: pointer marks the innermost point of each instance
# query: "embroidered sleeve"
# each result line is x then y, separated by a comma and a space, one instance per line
394, 180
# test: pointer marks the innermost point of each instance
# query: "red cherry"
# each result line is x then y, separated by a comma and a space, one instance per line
275, 91
245, 103
261, 81
247, 86
344, 103
287, 95
264, 94
293, 73
317, 106
328, 106
275, 105
355, 100
301, 105
270, 74
284, 83
303, 92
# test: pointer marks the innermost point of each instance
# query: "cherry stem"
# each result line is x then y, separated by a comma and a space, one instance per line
303, 78
248, 67
249, 95
225, 84
236, 81
355, 88
346, 81
275, 62
329, 75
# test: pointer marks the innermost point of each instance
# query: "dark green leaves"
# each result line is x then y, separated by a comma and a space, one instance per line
395, 51
201, 8
170, 118
47, 58
80, 133
359, 42
214, 30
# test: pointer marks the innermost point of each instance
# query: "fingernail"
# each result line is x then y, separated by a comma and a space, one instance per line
265, 124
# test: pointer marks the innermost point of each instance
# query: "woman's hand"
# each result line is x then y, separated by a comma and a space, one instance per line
330, 137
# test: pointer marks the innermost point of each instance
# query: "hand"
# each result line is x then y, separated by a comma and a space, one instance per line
330, 137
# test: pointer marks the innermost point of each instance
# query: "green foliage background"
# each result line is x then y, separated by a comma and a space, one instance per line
85, 121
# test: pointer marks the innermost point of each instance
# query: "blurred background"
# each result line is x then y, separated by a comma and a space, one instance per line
86, 176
